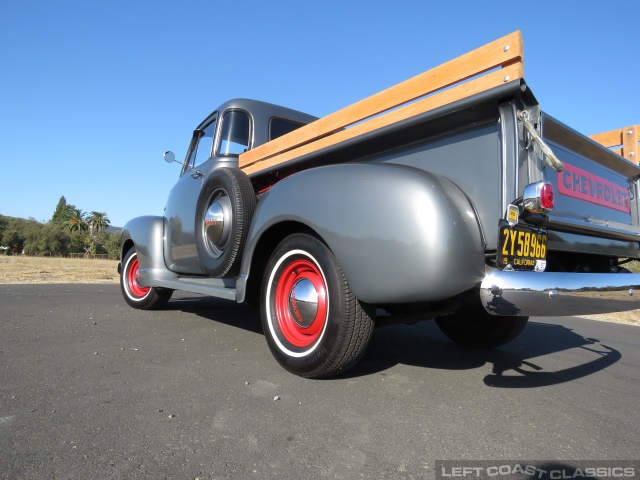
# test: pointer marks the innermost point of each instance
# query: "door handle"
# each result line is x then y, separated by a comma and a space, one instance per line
197, 174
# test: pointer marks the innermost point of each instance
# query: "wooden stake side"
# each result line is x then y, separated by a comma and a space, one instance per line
437, 100
608, 139
630, 143
626, 137
499, 53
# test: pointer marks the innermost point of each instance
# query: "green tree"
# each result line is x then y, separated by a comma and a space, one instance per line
64, 212
60, 237
14, 232
97, 221
77, 223
79, 242
46, 240
4, 222
110, 244
13, 237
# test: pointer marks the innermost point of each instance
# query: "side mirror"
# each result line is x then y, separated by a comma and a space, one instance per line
170, 157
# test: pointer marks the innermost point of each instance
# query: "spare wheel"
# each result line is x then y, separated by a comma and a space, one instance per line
223, 215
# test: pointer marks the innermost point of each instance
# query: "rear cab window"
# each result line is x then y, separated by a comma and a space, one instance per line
281, 126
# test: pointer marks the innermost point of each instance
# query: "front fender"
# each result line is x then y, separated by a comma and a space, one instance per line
146, 234
400, 234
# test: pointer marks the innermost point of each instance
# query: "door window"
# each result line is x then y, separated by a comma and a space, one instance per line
201, 146
234, 134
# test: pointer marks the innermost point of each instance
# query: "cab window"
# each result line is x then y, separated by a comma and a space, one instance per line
281, 126
201, 146
234, 134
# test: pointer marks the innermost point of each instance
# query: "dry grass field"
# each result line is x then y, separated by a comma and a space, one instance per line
630, 318
18, 269
23, 269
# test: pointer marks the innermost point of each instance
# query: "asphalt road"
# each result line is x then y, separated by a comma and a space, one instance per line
90, 388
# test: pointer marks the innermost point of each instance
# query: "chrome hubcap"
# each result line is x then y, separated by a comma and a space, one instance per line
217, 225
214, 222
303, 302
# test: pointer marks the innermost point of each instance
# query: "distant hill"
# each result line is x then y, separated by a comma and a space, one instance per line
7, 218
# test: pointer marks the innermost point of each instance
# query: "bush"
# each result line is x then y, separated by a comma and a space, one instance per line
110, 244
46, 240
78, 242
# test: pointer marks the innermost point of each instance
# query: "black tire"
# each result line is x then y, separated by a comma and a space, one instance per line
478, 329
143, 298
314, 325
223, 216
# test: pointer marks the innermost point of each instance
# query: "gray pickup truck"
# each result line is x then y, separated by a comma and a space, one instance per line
450, 196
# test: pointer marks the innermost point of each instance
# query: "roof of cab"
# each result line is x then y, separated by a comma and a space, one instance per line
261, 111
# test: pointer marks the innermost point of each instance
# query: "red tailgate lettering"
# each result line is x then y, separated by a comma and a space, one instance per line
577, 183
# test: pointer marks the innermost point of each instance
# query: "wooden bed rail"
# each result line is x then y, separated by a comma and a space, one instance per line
623, 141
494, 64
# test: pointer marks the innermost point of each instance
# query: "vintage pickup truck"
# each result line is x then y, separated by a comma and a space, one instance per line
451, 196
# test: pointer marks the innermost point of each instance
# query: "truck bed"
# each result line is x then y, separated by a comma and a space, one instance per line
492, 65
458, 104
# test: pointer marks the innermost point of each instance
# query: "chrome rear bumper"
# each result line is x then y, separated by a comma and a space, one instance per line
553, 294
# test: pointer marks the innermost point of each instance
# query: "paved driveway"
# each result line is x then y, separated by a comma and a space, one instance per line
90, 388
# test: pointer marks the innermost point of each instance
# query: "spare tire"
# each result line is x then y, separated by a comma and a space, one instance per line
223, 215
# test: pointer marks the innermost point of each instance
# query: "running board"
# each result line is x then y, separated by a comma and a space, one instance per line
215, 287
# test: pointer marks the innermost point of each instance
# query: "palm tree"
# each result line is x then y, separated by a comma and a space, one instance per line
76, 223
99, 221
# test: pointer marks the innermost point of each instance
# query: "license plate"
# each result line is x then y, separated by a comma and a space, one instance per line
523, 247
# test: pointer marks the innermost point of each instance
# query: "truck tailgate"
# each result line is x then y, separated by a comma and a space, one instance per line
596, 193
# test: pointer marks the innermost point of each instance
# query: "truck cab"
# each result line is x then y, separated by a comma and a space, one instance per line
232, 129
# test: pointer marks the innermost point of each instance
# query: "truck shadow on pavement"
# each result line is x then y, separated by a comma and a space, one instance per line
219, 310
423, 345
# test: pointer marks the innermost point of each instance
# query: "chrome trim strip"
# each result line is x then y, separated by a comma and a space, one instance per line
554, 294
592, 226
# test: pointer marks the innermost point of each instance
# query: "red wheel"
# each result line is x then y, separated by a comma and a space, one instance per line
137, 296
133, 280
301, 303
314, 325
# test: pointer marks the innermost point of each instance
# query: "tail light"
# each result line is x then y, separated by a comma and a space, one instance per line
546, 196
538, 197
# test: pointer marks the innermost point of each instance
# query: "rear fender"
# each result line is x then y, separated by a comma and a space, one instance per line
400, 234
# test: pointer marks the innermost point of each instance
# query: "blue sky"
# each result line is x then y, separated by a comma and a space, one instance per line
93, 92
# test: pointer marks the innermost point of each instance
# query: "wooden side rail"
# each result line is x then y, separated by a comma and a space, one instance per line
623, 141
457, 79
